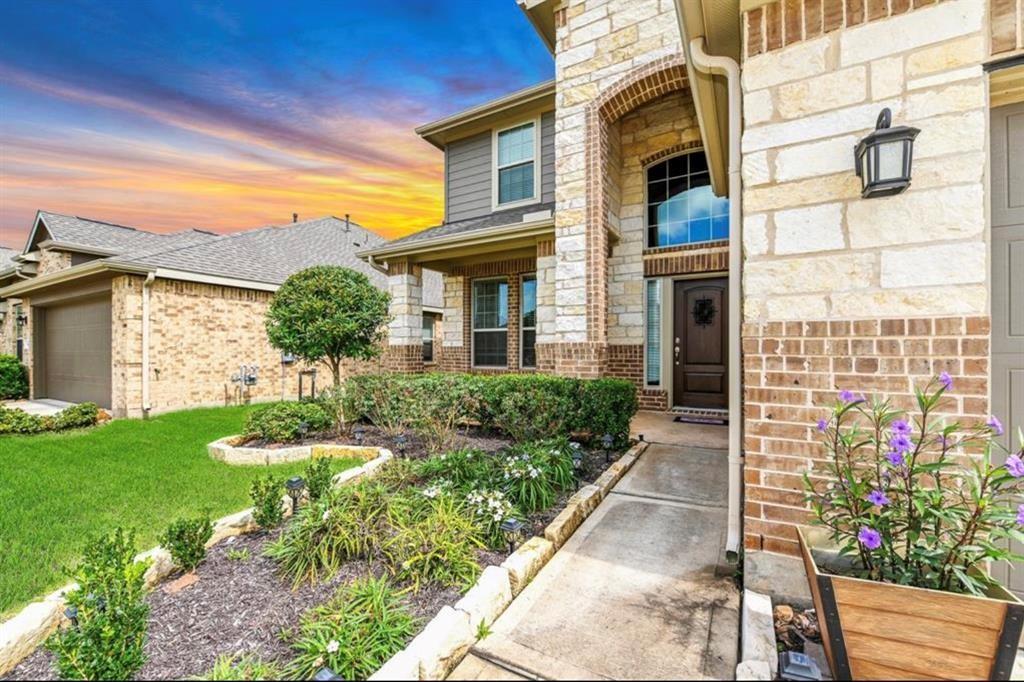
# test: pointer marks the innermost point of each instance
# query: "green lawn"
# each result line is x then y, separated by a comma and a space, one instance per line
57, 490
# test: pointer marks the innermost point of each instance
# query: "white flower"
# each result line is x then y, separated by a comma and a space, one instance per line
332, 646
327, 515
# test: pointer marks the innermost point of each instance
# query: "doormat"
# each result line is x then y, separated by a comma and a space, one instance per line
714, 421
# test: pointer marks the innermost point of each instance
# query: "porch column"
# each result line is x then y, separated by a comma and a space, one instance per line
547, 333
405, 331
455, 344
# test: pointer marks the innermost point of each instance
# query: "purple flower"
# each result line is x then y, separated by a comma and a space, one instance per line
895, 458
822, 425
901, 443
901, 427
1015, 466
878, 498
869, 537
946, 381
996, 425
847, 396
1020, 514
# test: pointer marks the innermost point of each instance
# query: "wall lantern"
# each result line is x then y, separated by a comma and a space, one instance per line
883, 158
21, 319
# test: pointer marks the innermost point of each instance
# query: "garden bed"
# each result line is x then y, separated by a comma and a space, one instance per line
241, 604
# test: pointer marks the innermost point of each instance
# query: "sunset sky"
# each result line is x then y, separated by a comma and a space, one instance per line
172, 114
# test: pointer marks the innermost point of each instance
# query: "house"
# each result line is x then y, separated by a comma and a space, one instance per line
142, 322
680, 207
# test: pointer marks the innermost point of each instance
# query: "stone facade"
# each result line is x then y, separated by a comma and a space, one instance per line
841, 292
52, 261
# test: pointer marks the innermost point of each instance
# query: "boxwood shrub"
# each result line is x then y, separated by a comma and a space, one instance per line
13, 378
282, 422
74, 417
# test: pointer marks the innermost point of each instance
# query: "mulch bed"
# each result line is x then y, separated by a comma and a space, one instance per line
242, 606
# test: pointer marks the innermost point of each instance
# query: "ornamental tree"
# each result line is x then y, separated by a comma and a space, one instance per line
328, 313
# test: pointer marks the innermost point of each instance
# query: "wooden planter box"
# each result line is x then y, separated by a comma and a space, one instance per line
879, 631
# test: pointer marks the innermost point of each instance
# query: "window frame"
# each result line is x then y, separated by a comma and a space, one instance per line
646, 204
659, 283
522, 326
472, 322
433, 334
496, 167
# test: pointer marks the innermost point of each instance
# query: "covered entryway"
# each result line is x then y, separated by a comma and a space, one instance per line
72, 351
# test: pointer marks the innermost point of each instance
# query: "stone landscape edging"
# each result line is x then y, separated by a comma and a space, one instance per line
231, 450
445, 641
23, 632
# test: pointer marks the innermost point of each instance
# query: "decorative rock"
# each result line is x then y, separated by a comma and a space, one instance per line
753, 670
383, 456
488, 598
366, 452
758, 631
234, 524
442, 644
161, 564
526, 561
347, 476
401, 666
22, 633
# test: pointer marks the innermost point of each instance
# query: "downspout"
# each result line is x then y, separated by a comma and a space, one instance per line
728, 67
145, 342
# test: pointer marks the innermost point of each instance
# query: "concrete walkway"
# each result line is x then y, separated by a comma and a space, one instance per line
44, 407
641, 590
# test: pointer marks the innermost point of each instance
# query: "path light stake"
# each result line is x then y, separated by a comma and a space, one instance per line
294, 486
400, 442
303, 429
71, 613
512, 529
607, 442
577, 462
359, 432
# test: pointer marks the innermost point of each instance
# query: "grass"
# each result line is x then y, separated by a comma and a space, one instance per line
59, 489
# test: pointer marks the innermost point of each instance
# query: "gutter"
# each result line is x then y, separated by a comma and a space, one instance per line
461, 238
146, 285
728, 67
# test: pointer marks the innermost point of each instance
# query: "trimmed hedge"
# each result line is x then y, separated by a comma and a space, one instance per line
74, 417
523, 406
13, 378
281, 422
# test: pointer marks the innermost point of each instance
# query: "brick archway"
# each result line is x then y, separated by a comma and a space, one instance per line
635, 89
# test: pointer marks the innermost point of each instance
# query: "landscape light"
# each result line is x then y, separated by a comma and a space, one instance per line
359, 432
512, 529
607, 442
294, 486
400, 442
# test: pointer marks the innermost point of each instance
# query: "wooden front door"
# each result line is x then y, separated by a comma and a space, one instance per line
700, 362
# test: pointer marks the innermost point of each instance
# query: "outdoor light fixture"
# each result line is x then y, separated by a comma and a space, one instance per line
294, 486
607, 441
577, 461
359, 432
512, 529
883, 158
796, 666
326, 675
400, 442
21, 319
303, 429
71, 613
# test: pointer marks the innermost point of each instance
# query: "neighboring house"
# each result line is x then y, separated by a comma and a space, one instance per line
619, 222
142, 322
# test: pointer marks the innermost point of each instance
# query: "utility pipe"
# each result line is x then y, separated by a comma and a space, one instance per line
145, 342
728, 67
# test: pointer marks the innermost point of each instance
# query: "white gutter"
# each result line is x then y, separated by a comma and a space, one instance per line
728, 67
145, 342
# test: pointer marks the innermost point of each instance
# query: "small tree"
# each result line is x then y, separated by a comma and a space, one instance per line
328, 313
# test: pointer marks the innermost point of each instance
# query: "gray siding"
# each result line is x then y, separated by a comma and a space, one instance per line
468, 172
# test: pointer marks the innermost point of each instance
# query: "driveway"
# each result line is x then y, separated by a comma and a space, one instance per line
641, 590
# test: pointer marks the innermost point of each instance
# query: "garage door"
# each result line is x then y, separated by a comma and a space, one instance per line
76, 343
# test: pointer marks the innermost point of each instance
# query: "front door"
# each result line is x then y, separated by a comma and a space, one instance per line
700, 344
1007, 293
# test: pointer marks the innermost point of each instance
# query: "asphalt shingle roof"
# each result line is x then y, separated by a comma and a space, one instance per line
117, 238
496, 219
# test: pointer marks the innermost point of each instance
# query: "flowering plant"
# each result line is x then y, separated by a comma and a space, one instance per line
918, 500
489, 508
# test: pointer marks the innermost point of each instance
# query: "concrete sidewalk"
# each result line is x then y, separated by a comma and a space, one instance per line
641, 590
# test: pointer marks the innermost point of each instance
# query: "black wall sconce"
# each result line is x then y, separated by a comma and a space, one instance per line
883, 158
21, 319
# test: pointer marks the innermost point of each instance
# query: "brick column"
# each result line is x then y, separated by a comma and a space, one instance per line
405, 331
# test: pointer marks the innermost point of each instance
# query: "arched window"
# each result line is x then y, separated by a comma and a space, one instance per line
681, 208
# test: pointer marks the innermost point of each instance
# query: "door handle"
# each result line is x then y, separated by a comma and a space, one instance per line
675, 353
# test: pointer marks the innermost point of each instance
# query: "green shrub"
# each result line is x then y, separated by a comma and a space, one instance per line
536, 410
318, 477
439, 404
107, 643
487, 509
347, 524
535, 473
494, 391
246, 667
282, 422
13, 378
353, 634
266, 493
465, 470
385, 400
607, 406
436, 542
77, 416
19, 421
186, 540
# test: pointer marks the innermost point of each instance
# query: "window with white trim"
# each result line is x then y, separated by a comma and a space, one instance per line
490, 323
528, 321
681, 208
516, 151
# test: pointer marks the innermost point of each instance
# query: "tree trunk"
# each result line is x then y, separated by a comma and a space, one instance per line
336, 371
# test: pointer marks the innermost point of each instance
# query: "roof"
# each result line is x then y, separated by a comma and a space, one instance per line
469, 225
474, 119
267, 255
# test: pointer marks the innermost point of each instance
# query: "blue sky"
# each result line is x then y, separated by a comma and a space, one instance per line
228, 115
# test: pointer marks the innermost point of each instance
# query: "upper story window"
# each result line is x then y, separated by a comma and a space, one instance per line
681, 208
516, 176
